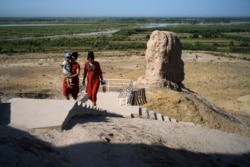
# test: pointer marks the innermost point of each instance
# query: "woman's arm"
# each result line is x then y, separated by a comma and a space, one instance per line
77, 73
101, 77
84, 74
100, 71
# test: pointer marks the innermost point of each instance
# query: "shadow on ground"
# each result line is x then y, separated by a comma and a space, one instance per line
19, 148
80, 109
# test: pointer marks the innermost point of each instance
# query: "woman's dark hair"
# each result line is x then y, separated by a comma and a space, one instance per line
91, 55
75, 55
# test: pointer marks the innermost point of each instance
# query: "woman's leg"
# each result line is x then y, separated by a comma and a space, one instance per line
67, 97
89, 91
75, 91
65, 89
94, 93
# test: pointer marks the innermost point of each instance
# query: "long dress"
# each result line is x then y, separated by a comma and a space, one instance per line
75, 81
93, 79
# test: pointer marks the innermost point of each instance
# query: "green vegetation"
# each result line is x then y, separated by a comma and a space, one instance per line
61, 34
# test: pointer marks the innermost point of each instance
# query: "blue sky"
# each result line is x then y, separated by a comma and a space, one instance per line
124, 8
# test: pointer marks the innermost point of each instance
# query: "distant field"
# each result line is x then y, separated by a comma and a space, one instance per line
120, 34
239, 34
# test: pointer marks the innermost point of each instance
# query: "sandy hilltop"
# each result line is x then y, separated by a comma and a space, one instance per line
218, 105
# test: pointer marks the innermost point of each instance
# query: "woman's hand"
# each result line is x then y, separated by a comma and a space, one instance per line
69, 76
103, 82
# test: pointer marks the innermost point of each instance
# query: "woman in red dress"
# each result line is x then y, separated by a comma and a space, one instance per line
75, 71
93, 72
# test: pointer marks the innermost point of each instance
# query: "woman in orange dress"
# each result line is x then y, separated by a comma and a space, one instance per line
93, 72
75, 71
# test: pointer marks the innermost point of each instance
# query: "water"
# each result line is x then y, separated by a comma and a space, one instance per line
79, 34
111, 31
98, 32
158, 25
31, 25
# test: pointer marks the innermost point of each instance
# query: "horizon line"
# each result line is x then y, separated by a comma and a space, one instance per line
124, 16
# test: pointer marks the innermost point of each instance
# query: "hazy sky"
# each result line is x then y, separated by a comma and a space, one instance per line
123, 8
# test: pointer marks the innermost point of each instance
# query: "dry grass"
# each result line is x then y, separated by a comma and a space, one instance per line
222, 81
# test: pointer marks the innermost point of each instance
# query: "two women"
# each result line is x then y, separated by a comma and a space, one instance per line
93, 73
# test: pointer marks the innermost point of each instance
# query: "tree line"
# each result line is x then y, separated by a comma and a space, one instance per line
200, 37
